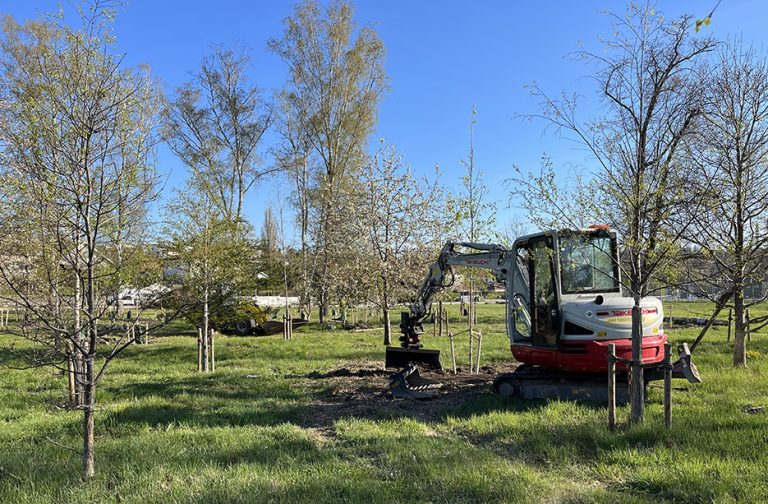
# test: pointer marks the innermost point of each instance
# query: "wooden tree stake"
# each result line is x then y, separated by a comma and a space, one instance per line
212, 350
667, 385
611, 386
199, 349
479, 346
749, 329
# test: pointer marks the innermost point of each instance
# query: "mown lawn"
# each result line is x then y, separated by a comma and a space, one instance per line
253, 432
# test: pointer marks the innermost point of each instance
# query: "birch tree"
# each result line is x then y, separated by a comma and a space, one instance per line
336, 81
215, 123
293, 157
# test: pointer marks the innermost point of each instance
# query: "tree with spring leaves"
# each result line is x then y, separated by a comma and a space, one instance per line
78, 174
293, 158
336, 81
729, 168
213, 258
397, 212
215, 123
471, 216
653, 102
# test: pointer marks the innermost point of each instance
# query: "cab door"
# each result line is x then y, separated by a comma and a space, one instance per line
545, 320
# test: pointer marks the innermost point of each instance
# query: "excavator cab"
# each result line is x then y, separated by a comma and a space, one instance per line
566, 299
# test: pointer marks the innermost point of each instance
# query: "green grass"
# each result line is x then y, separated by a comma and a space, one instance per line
261, 429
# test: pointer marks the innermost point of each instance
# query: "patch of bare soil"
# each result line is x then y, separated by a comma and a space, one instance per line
360, 390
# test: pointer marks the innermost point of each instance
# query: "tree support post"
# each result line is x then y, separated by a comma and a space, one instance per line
287, 326
730, 324
667, 385
450, 338
479, 347
199, 349
749, 328
440, 319
612, 386
212, 348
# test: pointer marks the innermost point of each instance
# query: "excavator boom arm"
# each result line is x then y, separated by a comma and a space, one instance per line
481, 255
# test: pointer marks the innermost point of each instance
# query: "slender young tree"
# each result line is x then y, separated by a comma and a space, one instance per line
397, 212
212, 255
472, 215
77, 162
652, 100
728, 236
293, 156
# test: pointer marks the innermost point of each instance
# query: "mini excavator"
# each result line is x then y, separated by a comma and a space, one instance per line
564, 306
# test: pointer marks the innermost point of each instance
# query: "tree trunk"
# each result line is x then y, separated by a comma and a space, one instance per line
739, 334
88, 421
71, 377
77, 354
205, 329
638, 386
387, 328
322, 304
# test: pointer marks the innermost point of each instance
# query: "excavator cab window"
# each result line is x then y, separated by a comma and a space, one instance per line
543, 294
520, 306
588, 263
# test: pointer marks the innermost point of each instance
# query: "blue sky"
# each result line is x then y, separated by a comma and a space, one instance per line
443, 58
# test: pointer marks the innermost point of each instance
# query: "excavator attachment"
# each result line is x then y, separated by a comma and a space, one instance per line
410, 350
681, 368
399, 358
684, 366
409, 384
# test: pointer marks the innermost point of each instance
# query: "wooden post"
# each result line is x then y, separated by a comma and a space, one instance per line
199, 349
440, 318
479, 346
287, 326
611, 386
670, 315
749, 329
212, 350
471, 334
667, 385
70, 376
730, 323
453, 350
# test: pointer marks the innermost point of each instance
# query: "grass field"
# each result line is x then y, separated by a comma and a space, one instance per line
276, 423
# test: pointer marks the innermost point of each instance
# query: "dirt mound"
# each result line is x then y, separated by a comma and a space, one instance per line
360, 390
